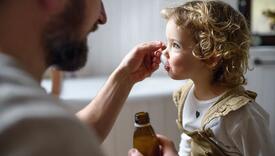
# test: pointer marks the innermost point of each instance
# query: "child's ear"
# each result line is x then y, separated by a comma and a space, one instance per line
52, 6
213, 61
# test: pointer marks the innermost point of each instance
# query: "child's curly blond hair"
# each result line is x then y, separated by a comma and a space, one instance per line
221, 36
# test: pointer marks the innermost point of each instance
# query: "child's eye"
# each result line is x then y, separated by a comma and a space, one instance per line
175, 45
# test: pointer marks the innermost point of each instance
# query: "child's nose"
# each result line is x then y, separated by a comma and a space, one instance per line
165, 52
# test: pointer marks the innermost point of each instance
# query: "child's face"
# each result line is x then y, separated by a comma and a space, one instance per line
181, 63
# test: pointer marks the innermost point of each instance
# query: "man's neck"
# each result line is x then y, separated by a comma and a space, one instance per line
33, 66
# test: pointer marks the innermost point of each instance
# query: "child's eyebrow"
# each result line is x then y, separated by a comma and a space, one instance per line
179, 41
182, 42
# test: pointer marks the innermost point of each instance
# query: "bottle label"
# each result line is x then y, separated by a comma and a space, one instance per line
143, 125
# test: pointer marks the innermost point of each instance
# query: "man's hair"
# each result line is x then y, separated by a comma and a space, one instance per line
219, 31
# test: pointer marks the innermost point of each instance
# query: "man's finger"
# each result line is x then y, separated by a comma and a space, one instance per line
150, 46
134, 152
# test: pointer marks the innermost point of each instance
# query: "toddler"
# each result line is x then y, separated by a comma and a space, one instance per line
208, 44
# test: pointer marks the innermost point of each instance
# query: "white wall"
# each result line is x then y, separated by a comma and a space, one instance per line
261, 80
129, 22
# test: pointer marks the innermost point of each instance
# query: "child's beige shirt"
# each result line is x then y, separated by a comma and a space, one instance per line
243, 131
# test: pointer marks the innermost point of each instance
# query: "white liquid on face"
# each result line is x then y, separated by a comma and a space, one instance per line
163, 59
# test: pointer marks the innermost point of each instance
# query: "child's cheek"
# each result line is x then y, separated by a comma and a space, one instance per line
175, 63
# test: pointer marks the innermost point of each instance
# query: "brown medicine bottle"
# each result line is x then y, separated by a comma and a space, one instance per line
144, 138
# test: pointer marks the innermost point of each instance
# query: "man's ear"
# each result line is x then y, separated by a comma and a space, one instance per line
52, 6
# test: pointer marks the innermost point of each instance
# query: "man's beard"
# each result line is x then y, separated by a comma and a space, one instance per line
64, 48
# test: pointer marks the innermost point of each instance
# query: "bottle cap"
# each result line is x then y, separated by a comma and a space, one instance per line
142, 118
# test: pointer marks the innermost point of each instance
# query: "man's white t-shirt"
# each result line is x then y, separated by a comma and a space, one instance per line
33, 123
241, 133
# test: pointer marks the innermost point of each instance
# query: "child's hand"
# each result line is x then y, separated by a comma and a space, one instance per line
167, 146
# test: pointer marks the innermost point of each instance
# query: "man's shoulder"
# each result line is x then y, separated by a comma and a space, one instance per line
28, 101
45, 127
22, 109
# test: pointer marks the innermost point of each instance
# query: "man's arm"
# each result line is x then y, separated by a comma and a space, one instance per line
102, 112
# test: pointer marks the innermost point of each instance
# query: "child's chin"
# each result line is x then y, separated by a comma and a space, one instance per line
176, 77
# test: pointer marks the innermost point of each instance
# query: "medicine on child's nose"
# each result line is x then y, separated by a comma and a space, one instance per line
163, 59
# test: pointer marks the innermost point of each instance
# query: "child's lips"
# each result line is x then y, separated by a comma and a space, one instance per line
167, 67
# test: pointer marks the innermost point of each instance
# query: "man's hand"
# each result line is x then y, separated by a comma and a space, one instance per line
103, 110
142, 61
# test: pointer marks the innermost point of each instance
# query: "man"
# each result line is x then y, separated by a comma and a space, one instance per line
37, 34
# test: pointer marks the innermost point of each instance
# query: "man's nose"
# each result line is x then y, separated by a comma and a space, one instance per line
102, 17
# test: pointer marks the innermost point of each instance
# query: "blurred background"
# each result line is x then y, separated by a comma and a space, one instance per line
129, 22
133, 21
